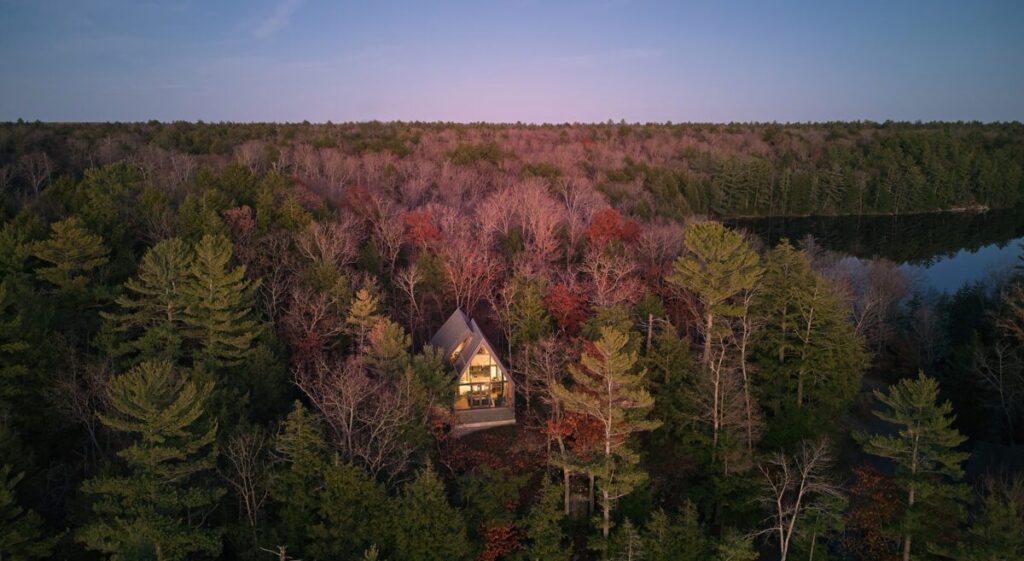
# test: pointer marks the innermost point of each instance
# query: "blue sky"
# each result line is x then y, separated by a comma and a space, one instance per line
534, 61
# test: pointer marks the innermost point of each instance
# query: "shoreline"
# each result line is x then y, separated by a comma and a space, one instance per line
974, 209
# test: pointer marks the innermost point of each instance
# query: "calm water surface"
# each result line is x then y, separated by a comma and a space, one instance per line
945, 251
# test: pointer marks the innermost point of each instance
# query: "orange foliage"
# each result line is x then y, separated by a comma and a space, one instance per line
567, 308
608, 225
499, 540
420, 229
874, 509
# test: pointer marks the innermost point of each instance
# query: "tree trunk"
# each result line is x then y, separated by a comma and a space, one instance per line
709, 324
590, 496
565, 481
607, 518
800, 389
650, 331
907, 538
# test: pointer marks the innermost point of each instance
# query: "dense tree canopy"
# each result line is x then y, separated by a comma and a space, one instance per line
214, 343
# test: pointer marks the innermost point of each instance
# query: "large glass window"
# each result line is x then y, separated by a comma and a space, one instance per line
483, 384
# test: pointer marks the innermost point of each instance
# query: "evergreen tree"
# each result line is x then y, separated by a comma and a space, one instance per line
718, 267
544, 526
14, 376
362, 316
387, 351
352, 514
426, 527
676, 538
153, 307
72, 253
809, 355
606, 389
924, 453
155, 505
22, 536
626, 544
736, 547
996, 532
328, 509
528, 319
218, 304
295, 485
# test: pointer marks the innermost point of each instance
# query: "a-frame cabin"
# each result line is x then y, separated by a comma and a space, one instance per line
484, 392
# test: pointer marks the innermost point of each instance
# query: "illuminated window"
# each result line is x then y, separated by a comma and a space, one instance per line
457, 351
483, 384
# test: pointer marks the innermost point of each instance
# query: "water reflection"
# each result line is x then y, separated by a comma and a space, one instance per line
945, 250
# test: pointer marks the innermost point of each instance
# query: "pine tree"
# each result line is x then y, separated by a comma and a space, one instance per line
153, 307
736, 547
626, 544
22, 536
362, 316
427, 528
810, 356
996, 532
14, 383
352, 514
718, 267
676, 538
154, 504
606, 388
218, 304
72, 254
924, 452
295, 485
544, 526
371, 554
721, 271
387, 351
529, 320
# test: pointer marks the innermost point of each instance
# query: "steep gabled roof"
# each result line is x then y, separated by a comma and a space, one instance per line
459, 328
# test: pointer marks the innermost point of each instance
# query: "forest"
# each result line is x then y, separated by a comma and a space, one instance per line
214, 344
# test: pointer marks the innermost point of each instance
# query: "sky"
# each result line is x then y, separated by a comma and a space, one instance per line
507, 61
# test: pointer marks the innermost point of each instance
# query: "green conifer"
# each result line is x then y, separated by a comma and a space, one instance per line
362, 316
72, 253
218, 304
294, 486
22, 536
606, 388
718, 266
544, 526
427, 528
153, 307
153, 505
928, 466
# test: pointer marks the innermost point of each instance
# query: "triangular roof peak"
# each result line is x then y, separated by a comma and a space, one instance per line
460, 333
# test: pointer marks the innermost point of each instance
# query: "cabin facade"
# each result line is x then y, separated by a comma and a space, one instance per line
484, 392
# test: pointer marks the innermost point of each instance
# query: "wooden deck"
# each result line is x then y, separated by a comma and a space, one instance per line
478, 419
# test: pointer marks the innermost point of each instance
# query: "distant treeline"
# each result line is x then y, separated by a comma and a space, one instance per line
650, 170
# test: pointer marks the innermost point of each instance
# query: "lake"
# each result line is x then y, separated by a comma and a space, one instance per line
943, 250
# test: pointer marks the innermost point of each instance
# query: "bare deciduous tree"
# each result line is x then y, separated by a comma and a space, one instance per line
469, 269
6, 178
247, 474
1000, 371
369, 418
791, 484
612, 278
79, 391
336, 243
251, 154
35, 170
